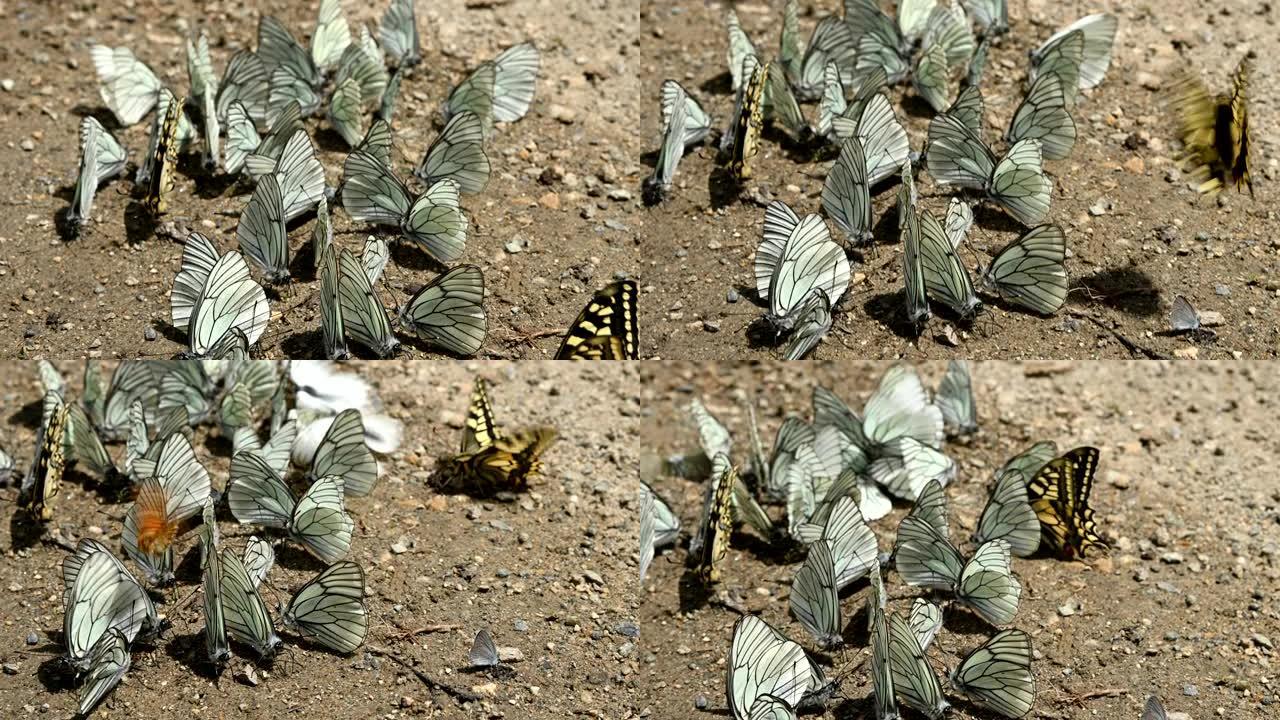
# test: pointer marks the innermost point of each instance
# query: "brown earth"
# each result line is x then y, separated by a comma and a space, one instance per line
1184, 605
1155, 238
548, 197
551, 574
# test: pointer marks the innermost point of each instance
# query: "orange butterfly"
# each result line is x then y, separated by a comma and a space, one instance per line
156, 530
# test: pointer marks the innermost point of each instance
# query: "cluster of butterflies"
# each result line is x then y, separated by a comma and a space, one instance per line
215, 299
847, 67
155, 407
835, 475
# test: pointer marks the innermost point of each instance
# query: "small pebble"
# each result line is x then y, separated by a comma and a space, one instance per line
731, 296
700, 702
27, 144
520, 626
1190, 690
11, 668
7, 84
711, 326
32, 638
149, 334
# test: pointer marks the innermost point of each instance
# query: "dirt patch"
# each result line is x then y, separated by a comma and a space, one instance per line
1137, 236
1184, 605
553, 172
551, 574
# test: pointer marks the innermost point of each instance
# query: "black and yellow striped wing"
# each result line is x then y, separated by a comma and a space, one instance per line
717, 525
1059, 494
480, 430
164, 162
606, 329
750, 120
1215, 132
40, 489
508, 464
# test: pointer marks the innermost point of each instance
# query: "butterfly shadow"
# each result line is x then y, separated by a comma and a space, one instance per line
721, 84
886, 309
959, 620
307, 343
171, 332
189, 651
139, 225
777, 551
694, 594
722, 187
500, 672
55, 675
29, 415
294, 558
914, 106
409, 257
24, 531
215, 185
1126, 289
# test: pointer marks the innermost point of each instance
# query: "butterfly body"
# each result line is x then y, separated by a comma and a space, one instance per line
750, 119
508, 464
41, 486
166, 156
1215, 132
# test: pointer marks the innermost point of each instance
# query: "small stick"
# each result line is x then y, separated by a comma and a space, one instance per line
455, 693
407, 633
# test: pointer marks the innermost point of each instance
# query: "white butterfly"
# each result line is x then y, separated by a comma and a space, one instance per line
318, 519
214, 298
794, 258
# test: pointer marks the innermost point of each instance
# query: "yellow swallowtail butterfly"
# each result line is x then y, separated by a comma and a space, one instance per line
606, 329
40, 488
481, 429
1215, 131
508, 463
163, 162
1059, 494
750, 120
717, 521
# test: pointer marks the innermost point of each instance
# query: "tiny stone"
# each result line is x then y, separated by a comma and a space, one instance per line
700, 702
562, 113
11, 668
513, 246
406, 701
149, 334
731, 296
627, 628
520, 626
1190, 690
510, 654
1069, 608
399, 548
1171, 558
711, 326
1261, 640
7, 84
32, 638
1149, 81
27, 144
1222, 290
592, 577
620, 194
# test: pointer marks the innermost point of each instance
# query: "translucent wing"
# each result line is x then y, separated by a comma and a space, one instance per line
846, 197
991, 16
103, 596
474, 95
912, 17
129, 88
813, 322
666, 528
261, 231
288, 89
854, 550
997, 675
956, 155
899, 407
108, 662
387, 105
1154, 709
368, 72
1183, 316
331, 37
697, 123
86, 179
932, 78
215, 627
907, 465
279, 51
449, 312
1045, 115
739, 48
913, 678
658, 184
200, 68
810, 259
881, 670
1099, 37
436, 222
242, 137
959, 220
955, 399
779, 222
924, 557
947, 28
876, 50
814, 600
763, 662
458, 154
245, 81
377, 142
607, 328
1030, 271
320, 520
713, 436
925, 621
245, 613
286, 123
884, 140
363, 316
1029, 461
345, 112
343, 452
648, 513
259, 558
1063, 59
514, 81
374, 257
111, 155
1019, 184
832, 43
330, 608
230, 300
371, 192
987, 583
831, 103
398, 33
917, 304
1008, 516
483, 652
256, 494
945, 277
780, 104
301, 176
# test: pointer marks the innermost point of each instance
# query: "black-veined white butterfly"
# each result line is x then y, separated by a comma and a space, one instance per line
813, 323
363, 316
214, 298
831, 43
300, 174
332, 329
215, 627
846, 197
881, 671
129, 88
814, 597
1008, 515
318, 519
368, 72
926, 558
175, 487
607, 328
245, 614
398, 33
99, 595
109, 660
945, 277
925, 621
332, 35
345, 112
1031, 271
795, 257
275, 451
330, 608
261, 159
957, 156
997, 675
955, 400
1045, 114
763, 662
991, 16
697, 123
905, 465
658, 185
1029, 461
457, 153
448, 312
261, 231
914, 680
884, 140
245, 81
853, 545
1099, 36
434, 220
387, 105
914, 296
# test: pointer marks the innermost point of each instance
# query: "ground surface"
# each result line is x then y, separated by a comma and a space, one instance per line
1154, 238
548, 197
551, 574
1184, 604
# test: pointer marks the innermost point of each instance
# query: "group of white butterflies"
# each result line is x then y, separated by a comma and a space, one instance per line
801, 272
154, 407
833, 475
215, 299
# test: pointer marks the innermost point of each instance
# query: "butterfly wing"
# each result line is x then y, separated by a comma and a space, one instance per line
606, 329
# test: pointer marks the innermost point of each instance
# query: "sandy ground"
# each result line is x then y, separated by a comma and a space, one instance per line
1184, 605
551, 574
1137, 236
548, 199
